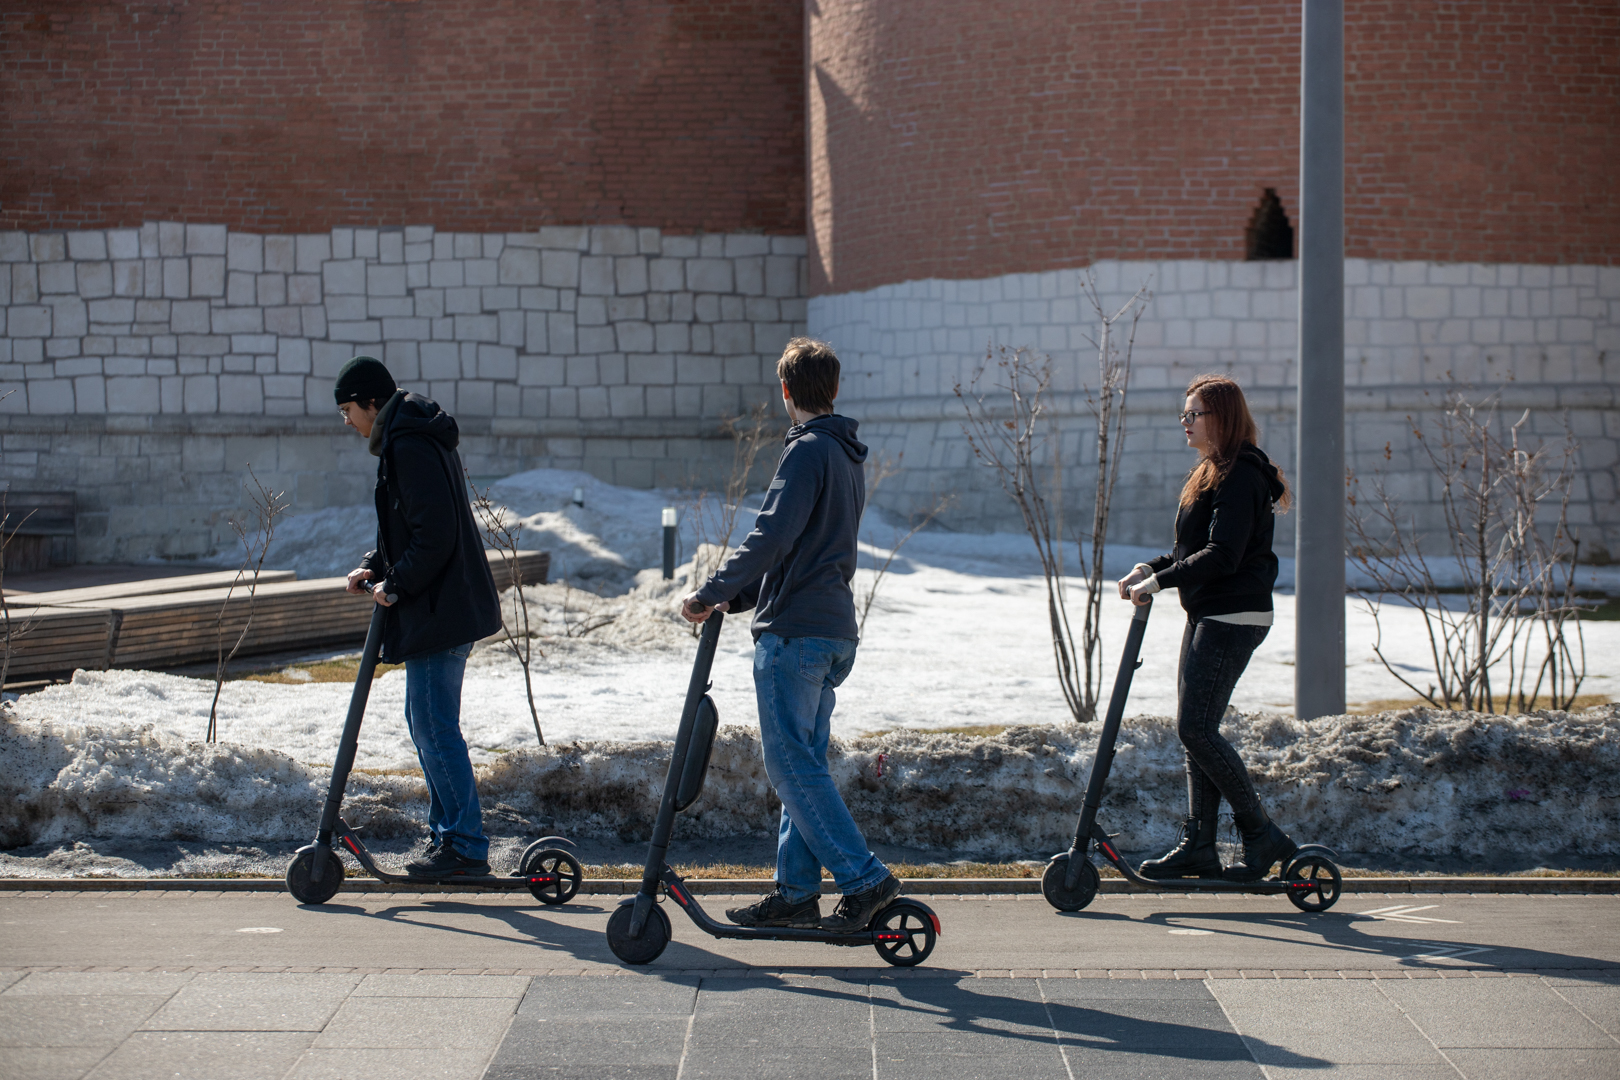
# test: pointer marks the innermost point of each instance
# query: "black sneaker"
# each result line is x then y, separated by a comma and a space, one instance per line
424, 856
775, 910
447, 862
854, 912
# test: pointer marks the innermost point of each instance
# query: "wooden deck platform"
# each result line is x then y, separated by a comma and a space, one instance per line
171, 621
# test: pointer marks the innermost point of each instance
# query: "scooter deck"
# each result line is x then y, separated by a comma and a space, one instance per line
488, 882
676, 890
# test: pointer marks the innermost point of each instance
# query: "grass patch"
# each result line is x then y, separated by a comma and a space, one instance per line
1365, 708
1608, 611
343, 670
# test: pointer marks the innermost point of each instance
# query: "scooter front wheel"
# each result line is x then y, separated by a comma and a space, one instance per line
560, 867
302, 868
644, 949
1056, 890
1313, 883
905, 932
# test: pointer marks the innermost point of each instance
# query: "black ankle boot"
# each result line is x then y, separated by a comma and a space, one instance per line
1263, 845
1195, 856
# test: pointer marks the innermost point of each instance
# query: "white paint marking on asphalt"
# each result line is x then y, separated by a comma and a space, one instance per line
260, 930
1403, 913
1189, 931
1438, 950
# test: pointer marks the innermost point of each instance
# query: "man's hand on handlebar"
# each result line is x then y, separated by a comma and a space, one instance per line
355, 578
694, 610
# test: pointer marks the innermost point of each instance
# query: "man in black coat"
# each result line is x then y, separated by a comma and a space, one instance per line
429, 570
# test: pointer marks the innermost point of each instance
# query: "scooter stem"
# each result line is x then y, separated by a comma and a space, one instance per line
664, 825
351, 731
1128, 663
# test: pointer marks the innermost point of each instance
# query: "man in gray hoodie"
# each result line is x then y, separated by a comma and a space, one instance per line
794, 571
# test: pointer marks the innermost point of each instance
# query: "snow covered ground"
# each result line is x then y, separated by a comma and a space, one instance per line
957, 636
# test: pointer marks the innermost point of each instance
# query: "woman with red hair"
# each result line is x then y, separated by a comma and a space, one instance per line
1223, 568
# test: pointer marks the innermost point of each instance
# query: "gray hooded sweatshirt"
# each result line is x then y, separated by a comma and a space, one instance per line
795, 567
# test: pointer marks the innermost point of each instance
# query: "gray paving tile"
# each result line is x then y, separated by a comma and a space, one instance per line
992, 1004
50, 1063
530, 1043
100, 982
1125, 989
66, 1020
9, 977
1480, 1064
1142, 1024
418, 1023
1141, 1065
1505, 1013
630, 997
243, 1001
820, 1063
508, 986
205, 1055
954, 1067
390, 1065
1327, 1020
1601, 1004
775, 1030
1441, 1071
581, 1072
1029, 1043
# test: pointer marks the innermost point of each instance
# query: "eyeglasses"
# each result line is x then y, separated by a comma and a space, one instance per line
1190, 415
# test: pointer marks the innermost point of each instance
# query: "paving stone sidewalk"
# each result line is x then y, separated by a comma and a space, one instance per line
239, 986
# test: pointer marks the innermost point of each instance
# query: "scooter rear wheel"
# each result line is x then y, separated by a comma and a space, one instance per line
302, 868
1058, 894
906, 934
557, 864
1325, 880
644, 949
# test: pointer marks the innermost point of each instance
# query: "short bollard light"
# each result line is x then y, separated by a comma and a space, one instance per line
579, 496
669, 542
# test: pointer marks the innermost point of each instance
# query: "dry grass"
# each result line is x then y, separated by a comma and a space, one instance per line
1365, 708
344, 670
977, 731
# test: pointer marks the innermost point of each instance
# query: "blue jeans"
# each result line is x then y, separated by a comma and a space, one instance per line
1213, 656
433, 716
794, 680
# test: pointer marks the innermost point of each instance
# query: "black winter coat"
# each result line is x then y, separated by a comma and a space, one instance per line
428, 546
1222, 563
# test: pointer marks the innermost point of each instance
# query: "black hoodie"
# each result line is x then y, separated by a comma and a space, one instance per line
1222, 563
795, 567
428, 546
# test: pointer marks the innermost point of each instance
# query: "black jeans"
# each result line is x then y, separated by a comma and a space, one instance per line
1213, 656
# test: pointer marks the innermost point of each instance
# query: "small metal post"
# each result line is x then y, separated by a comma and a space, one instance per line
579, 496
669, 542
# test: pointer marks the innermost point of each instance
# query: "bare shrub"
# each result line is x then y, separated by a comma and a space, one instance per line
255, 533
878, 470
501, 530
1513, 637
1010, 433
713, 515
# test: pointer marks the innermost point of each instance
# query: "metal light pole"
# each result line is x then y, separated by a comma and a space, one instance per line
1319, 477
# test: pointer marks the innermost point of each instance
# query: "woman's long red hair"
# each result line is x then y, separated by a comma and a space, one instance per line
1229, 426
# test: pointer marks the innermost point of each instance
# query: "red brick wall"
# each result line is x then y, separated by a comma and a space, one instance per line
1027, 135
300, 115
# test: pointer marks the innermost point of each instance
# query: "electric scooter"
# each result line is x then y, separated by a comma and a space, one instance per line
1309, 879
903, 932
549, 871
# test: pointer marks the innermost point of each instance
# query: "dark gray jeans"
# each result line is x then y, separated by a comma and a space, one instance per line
1213, 656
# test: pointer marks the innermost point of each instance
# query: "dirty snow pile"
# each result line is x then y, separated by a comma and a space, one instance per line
1417, 783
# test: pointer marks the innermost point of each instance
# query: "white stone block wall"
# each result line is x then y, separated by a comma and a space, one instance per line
1547, 337
141, 365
